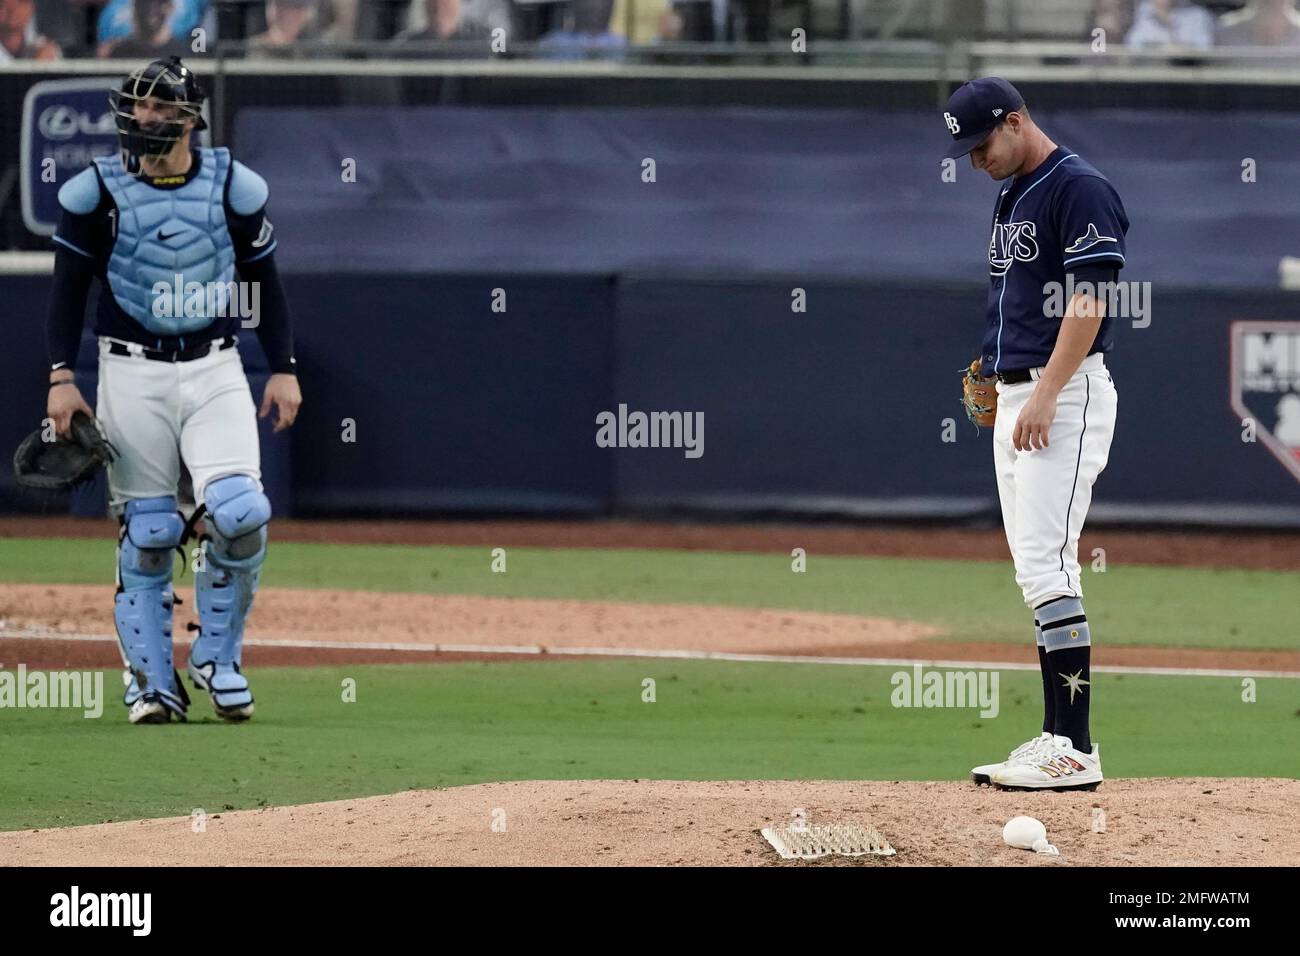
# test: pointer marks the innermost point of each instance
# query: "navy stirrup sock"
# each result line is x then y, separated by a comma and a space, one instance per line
1066, 652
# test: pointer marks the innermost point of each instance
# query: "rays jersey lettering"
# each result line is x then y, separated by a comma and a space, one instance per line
1060, 219
1011, 242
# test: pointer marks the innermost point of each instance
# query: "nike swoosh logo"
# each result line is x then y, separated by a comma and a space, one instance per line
245, 515
154, 530
163, 237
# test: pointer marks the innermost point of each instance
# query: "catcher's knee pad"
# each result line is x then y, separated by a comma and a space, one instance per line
151, 529
237, 514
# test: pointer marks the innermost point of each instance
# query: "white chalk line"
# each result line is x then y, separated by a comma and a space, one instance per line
662, 654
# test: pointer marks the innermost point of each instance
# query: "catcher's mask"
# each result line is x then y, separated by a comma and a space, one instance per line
171, 83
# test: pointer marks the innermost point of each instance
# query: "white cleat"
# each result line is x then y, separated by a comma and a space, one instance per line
153, 707
983, 774
145, 711
1054, 765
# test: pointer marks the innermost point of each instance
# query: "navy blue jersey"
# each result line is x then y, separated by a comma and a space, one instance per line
1064, 217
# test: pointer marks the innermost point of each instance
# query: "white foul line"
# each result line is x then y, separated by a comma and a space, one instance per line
685, 655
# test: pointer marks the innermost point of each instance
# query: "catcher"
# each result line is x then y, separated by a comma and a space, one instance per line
173, 399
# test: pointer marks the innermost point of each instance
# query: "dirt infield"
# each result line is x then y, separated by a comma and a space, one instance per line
1159, 822
377, 617
391, 628
1229, 549
1146, 822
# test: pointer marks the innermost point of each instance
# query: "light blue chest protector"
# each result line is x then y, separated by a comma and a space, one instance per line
163, 233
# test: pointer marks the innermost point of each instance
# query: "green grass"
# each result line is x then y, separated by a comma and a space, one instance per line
969, 600
416, 726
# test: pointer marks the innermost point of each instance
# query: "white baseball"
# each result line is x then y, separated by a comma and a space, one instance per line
1024, 832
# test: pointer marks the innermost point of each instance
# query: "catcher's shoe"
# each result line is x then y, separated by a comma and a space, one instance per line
984, 772
154, 707
228, 688
148, 710
1054, 765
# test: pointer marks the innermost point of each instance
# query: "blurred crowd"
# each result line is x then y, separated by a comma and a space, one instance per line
49, 29
1185, 23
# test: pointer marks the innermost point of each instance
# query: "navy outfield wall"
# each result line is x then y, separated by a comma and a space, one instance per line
856, 195
840, 409
455, 406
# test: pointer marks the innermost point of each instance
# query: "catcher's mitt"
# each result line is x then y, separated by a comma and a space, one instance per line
65, 462
979, 395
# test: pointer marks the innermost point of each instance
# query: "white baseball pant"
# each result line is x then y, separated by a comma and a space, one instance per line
1045, 493
160, 415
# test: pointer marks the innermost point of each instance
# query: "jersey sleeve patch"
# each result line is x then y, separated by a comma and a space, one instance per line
253, 236
81, 194
1093, 223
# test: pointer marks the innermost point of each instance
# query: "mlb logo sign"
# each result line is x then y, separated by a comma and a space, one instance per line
1265, 386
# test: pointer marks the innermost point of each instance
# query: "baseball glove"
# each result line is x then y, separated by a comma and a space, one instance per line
979, 396
65, 462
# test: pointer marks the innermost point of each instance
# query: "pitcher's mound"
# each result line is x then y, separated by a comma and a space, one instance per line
1164, 822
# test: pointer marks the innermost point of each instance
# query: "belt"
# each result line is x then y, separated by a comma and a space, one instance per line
175, 355
1092, 363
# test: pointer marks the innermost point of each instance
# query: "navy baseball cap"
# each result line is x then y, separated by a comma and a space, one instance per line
976, 109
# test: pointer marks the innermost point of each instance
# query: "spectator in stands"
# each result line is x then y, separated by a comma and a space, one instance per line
1171, 22
287, 22
18, 37
343, 21
151, 35
590, 32
695, 20
1262, 23
444, 20
718, 21
63, 22
1115, 17
671, 26
117, 20
755, 20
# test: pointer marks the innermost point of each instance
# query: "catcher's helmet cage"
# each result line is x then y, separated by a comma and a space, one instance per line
169, 81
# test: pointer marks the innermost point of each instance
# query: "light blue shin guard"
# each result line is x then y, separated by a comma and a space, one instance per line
237, 514
151, 528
